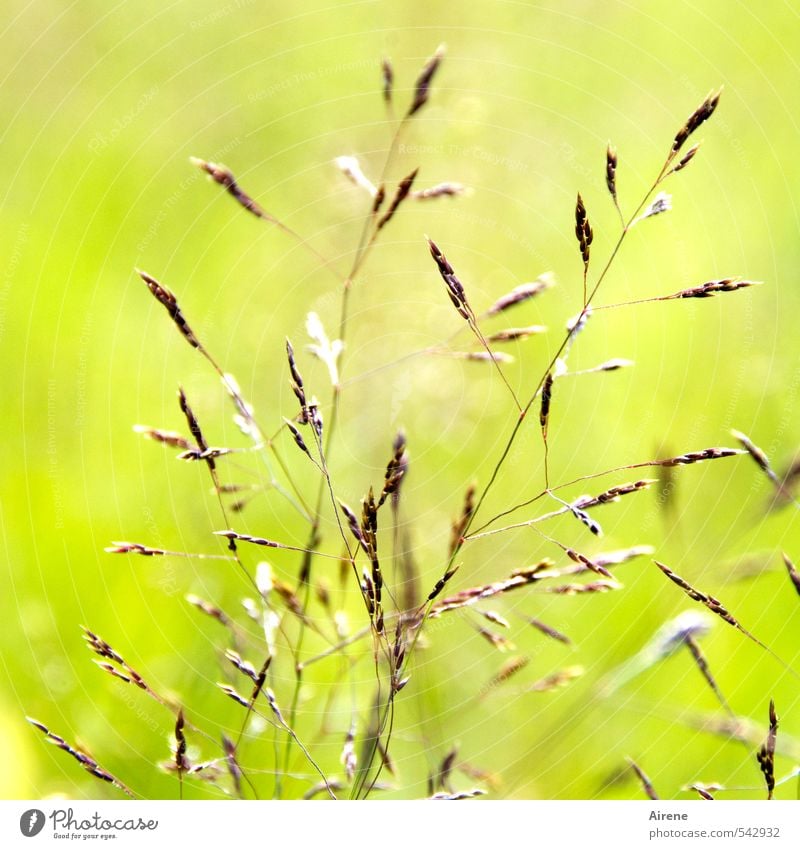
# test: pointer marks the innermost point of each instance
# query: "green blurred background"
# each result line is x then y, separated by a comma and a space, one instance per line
102, 106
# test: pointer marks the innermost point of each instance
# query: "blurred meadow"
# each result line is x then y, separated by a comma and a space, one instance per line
104, 104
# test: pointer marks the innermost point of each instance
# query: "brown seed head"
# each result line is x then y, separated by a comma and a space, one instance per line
297, 382
423, 83
611, 171
513, 334
583, 230
523, 292
454, 288
766, 755
297, 436
222, 175
170, 304
548, 631
758, 455
547, 395
355, 527
387, 79
118, 547
396, 469
645, 781
794, 575
401, 194
698, 456
713, 287
180, 744
700, 115
686, 159
166, 437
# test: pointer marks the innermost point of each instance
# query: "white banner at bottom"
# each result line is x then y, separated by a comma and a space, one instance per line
398, 825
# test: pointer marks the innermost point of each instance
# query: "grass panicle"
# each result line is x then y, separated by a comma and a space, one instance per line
170, 304
583, 230
455, 289
423, 83
700, 115
85, 760
403, 190
374, 607
222, 175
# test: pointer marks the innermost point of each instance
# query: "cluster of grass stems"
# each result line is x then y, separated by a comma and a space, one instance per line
395, 613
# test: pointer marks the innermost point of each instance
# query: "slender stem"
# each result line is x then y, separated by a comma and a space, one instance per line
535, 521
335, 649
473, 324
563, 346
425, 609
364, 245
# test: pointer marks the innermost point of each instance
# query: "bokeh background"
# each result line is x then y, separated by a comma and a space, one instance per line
102, 106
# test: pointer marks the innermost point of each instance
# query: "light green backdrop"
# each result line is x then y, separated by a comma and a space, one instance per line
102, 105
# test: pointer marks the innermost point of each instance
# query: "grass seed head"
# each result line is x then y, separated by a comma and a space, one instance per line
423, 83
